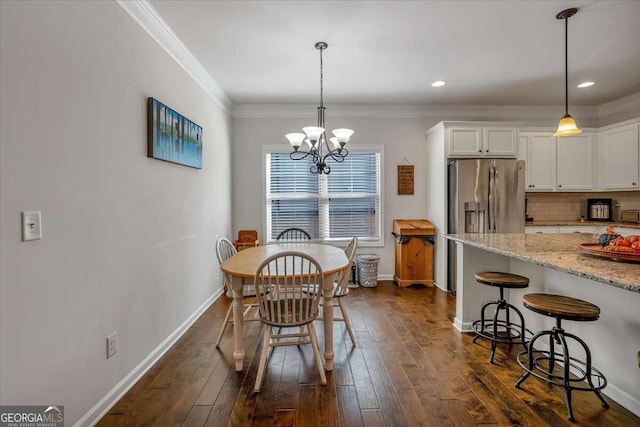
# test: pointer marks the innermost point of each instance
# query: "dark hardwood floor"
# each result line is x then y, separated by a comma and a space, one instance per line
410, 368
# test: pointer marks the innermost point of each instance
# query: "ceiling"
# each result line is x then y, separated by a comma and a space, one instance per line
389, 52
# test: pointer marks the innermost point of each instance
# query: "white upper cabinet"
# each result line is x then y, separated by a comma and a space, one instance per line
557, 164
619, 161
482, 141
574, 162
465, 141
500, 142
540, 165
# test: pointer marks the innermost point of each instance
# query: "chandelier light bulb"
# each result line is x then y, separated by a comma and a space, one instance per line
342, 135
313, 133
295, 139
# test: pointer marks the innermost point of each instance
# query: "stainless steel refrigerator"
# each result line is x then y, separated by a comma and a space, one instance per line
484, 196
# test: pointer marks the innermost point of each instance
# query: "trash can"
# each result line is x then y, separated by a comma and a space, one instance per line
368, 270
414, 252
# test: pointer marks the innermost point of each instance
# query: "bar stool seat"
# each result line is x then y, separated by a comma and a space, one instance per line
563, 307
505, 280
542, 364
495, 329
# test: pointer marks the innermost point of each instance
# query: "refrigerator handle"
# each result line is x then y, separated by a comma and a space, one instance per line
492, 200
496, 205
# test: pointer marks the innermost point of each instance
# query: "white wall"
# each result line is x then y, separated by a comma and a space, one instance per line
401, 129
400, 137
128, 241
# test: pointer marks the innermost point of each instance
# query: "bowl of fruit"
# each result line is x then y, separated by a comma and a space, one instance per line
613, 246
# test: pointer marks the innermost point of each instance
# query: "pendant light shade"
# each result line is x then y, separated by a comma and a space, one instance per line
567, 125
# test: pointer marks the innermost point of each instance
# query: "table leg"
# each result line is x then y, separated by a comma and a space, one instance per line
238, 324
327, 314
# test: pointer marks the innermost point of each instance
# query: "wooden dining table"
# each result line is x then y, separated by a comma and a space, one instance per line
243, 265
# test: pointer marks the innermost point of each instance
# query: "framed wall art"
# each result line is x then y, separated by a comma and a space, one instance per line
172, 137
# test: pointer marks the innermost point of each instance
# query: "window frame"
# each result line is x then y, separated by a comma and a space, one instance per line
377, 149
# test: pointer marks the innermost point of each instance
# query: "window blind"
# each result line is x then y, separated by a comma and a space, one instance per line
340, 205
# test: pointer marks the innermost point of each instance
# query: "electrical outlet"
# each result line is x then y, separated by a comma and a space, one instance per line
112, 344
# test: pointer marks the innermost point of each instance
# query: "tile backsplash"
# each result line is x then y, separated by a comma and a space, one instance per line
569, 206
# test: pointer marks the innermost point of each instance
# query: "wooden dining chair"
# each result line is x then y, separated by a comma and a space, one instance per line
279, 282
293, 234
341, 290
225, 250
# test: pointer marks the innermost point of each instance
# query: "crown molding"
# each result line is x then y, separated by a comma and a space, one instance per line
530, 114
622, 108
151, 21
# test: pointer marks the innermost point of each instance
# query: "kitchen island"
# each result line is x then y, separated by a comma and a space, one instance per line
554, 264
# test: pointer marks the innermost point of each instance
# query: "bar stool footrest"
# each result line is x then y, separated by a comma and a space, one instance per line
506, 333
542, 372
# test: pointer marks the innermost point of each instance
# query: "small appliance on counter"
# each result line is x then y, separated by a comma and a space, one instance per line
599, 210
630, 215
527, 219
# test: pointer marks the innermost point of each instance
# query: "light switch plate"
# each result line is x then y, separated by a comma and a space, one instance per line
31, 226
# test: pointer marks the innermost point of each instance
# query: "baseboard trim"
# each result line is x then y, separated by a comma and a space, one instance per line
462, 326
624, 399
621, 397
103, 406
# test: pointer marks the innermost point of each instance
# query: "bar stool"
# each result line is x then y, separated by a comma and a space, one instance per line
562, 307
494, 329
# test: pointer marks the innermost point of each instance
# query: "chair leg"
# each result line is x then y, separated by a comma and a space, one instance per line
347, 323
266, 341
316, 352
224, 325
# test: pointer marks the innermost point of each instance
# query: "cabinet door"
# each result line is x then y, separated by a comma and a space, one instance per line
619, 158
465, 141
542, 162
574, 163
499, 142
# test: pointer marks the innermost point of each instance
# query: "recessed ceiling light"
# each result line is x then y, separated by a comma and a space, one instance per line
438, 83
586, 84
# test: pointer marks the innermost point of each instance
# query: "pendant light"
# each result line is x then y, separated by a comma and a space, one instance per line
567, 125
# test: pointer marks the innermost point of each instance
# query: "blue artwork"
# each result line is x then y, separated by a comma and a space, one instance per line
172, 137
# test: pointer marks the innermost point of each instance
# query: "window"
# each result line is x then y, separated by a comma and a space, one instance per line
338, 206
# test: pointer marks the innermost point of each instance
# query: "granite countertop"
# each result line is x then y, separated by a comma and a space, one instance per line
558, 251
558, 222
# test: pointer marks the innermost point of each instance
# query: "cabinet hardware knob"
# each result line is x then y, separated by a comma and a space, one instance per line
486, 151
533, 185
479, 151
633, 183
559, 185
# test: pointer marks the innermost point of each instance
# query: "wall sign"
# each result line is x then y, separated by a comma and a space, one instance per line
405, 179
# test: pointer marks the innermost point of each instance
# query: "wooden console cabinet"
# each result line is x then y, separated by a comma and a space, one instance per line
414, 252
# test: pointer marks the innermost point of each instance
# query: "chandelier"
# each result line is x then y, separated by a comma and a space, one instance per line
567, 125
314, 138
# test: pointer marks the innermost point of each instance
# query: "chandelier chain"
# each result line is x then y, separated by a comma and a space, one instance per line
321, 80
